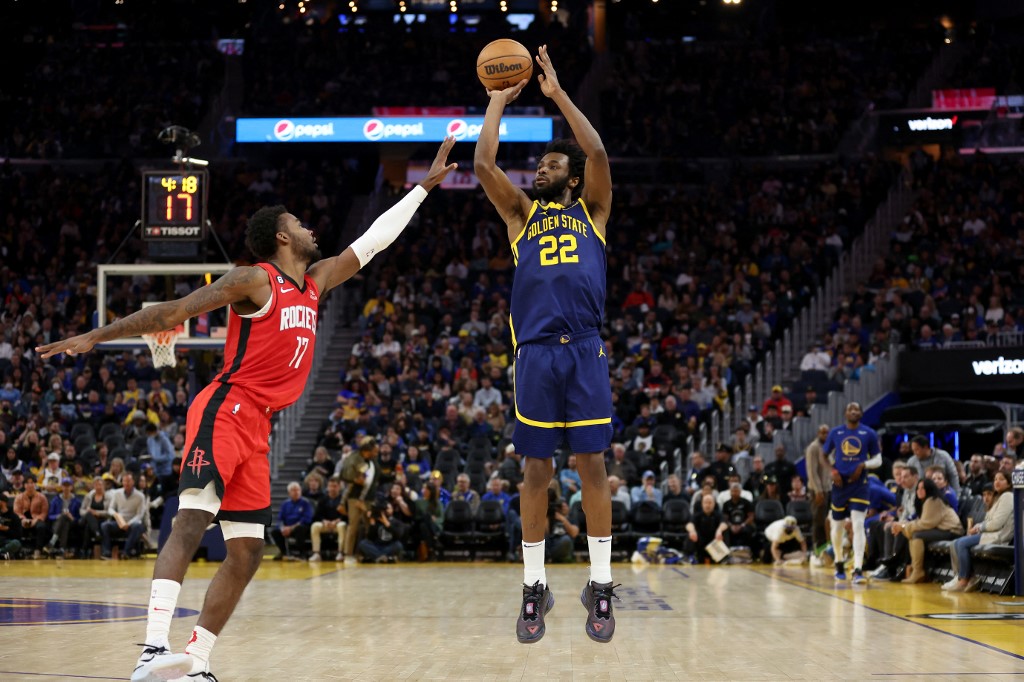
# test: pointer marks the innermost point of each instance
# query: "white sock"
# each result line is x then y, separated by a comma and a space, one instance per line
600, 559
837, 540
533, 563
199, 648
860, 539
162, 600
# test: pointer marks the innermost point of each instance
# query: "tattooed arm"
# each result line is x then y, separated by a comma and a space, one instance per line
239, 284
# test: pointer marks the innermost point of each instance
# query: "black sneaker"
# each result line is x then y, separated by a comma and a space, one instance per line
597, 600
537, 601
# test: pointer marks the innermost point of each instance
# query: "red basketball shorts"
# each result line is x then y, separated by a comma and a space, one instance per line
227, 441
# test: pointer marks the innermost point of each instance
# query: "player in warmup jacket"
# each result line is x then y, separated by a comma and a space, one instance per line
224, 472
561, 386
852, 449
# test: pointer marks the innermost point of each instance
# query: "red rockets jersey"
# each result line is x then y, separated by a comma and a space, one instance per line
270, 355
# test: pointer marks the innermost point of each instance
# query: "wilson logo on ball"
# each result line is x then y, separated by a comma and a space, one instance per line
501, 69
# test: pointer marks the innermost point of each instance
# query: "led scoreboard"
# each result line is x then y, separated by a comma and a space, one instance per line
174, 205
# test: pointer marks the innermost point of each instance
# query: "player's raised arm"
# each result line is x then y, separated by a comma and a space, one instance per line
238, 284
331, 272
511, 202
597, 178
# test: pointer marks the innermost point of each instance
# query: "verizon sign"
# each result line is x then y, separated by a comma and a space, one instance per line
1000, 365
929, 123
957, 371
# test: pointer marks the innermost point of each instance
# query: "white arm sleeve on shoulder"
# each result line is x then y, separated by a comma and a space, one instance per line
874, 462
388, 226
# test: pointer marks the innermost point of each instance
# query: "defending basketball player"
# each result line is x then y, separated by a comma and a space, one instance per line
852, 448
561, 369
225, 472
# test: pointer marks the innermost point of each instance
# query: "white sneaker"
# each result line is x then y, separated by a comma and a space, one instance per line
201, 676
952, 584
315, 556
351, 561
340, 556
162, 665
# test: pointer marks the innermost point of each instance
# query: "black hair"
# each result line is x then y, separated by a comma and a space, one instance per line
577, 161
261, 234
930, 490
920, 440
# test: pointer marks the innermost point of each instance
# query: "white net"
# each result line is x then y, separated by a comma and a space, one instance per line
161, 345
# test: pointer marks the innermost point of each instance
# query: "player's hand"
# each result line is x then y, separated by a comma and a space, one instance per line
73, 346
508, 95
440, 168
819, 498
837, 479
548, 80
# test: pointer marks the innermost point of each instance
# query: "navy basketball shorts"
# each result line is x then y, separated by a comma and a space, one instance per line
562, 395
851, 497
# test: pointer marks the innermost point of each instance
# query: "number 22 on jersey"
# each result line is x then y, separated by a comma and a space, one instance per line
558, 250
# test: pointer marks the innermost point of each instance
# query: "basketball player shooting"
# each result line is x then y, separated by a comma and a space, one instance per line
561, 369
225, 472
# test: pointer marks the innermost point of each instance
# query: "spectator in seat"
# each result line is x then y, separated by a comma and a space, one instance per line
313, 488
618, 491
569, 478
382, 543
561, 533
647, 491
125, 516
938, 475
329, 516
1015, 442
496, 491
51, 476
706, 526
674, 489
756, 480
720, 468
797, 490
783, 471
510, 468
92, 513
464, 492
644, 441
786, 542
621, 467
935, 520
995, 529
360, 471
977, 474
321, 463
31, 508
734, 480
10, 531
925, 456
160, 448
63, 516
778, 399
294, 521
738, 512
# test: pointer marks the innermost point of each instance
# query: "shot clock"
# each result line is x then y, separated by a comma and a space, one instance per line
174, 204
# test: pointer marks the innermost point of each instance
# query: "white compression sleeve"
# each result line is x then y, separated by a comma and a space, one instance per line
386, 228
874, 462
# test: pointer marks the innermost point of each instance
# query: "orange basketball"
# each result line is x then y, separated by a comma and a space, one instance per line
503, 63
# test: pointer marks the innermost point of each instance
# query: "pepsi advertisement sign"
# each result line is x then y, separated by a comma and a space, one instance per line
390, 129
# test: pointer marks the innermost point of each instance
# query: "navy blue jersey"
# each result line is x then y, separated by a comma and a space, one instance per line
851, 447
561, 274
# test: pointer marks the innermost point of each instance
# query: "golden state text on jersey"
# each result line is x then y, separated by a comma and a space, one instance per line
561, 273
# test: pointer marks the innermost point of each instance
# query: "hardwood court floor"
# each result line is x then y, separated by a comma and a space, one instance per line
455, 621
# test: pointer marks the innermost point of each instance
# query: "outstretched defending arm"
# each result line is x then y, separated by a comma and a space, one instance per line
236, 285
331, 272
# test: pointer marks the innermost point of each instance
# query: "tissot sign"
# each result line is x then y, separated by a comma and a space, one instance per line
389, 129
962, 370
